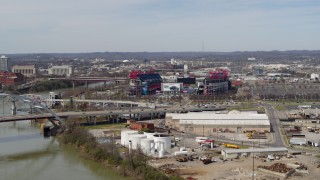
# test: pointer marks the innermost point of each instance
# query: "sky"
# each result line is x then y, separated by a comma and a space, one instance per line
71, 26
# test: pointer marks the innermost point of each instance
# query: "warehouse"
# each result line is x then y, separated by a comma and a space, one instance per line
235, 153
209, 123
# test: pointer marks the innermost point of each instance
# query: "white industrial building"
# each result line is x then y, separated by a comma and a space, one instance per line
298, 141
209, 123
60, 70
235, 153
150, 143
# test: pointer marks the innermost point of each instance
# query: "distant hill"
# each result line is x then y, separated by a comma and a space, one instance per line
160, 56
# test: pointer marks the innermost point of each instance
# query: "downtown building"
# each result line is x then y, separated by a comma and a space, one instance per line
5, 63
60, 71
27, 71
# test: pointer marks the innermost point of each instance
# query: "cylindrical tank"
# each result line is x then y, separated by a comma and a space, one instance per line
149, 135
180, 153
136, 140
146, 145
161, 151
125, 136
153, 147
163, 138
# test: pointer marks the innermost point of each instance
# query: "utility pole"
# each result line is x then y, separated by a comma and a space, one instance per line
203, 131
252, 162
3, 106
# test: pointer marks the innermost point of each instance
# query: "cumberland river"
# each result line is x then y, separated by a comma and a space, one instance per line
26, 155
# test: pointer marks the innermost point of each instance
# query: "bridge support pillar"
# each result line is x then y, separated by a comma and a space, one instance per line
71, 102
139, 116
73, 84
31, 109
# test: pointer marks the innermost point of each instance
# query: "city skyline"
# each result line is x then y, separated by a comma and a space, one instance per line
158, 25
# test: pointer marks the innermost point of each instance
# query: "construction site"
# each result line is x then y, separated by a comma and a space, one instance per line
212, 166
196, 157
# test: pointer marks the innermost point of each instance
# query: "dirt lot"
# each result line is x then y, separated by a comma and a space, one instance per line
236, 169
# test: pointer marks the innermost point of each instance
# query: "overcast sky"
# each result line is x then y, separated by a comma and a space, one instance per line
39, 26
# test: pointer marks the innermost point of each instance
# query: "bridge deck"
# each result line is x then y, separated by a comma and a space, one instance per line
101, 113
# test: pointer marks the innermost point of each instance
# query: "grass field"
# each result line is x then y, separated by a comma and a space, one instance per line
108, 126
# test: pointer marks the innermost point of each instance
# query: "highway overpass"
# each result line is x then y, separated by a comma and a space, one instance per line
118, 112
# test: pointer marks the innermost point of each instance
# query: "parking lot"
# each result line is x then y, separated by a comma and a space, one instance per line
285, 91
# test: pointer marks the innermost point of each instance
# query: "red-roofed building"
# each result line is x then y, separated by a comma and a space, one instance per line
10, 78
237, 83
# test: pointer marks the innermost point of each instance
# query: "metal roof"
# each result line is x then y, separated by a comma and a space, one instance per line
214, 116
226, 122
224, 119
255, 150
210, 118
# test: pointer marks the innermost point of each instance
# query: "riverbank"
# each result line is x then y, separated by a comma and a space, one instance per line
113, 156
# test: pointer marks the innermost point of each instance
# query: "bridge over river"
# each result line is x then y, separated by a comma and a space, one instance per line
119, 112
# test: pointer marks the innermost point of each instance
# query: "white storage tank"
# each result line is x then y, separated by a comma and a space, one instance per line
149, 135
146, 145
136, 140
125, 136
161, 151
162, 138
180, 153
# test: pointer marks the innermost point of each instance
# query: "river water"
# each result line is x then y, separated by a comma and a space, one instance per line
26, 155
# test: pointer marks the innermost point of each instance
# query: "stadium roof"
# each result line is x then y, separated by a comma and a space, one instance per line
155, 78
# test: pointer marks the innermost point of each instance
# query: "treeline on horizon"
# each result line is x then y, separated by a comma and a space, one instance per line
237, 55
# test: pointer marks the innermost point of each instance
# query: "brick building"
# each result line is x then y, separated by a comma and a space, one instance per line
141, 125
10, 78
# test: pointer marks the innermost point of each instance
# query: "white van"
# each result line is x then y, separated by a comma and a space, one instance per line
271, 157
201, 139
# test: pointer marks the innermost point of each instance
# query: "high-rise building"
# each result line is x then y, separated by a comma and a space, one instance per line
5, 63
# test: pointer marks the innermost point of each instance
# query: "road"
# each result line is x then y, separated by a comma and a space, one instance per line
103, 113
275, 126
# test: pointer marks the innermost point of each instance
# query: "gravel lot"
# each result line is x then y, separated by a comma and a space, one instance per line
236, 169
